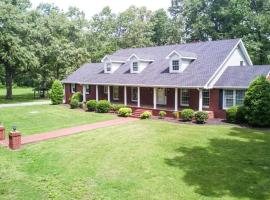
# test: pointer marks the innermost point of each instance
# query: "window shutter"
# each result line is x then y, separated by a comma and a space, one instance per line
220, 102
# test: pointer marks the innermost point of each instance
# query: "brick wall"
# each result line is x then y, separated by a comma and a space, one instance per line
214, 104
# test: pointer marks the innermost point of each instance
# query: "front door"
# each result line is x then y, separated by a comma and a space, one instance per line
161, 96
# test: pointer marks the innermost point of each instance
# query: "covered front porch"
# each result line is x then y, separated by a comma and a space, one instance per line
154, 98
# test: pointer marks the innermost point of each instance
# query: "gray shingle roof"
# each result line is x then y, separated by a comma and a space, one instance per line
241, 76
210, 56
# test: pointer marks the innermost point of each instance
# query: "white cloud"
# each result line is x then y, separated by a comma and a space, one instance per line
91, 7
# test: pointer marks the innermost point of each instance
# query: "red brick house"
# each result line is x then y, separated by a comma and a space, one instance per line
210, 76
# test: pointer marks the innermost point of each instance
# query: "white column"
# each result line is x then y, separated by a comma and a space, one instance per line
155, 98
200, 99
176, 99
64, 88
109, 94
84, 93
139, 98
125, 95
96, 92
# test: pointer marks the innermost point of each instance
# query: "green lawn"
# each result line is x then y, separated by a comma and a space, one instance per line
19, 95
37, 119
142, 160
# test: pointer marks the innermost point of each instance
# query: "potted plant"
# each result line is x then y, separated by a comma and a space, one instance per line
2, 131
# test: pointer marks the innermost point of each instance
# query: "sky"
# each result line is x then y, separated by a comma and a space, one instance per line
91, 7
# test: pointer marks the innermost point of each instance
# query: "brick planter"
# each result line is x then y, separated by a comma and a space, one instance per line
14, 140
2, 133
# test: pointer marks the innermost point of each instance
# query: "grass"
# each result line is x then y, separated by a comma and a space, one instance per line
37, 119
142, 160
19, 95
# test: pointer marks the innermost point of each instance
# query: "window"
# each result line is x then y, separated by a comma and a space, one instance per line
135, 67
73, 88
134, 94
115, 93
206, 98
87, 89
239, 97
233, 98
108, 67
241, 63
184, 97
105, 89
175, 65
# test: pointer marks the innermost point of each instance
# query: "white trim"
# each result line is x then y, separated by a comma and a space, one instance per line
217, 74
138, 58
139, 97
209, 98
165, 96
182, 104
86, 89
105, 89
112, 61
73, 85
224, 107
64, 89
96, 92
155, 98
109, 93
183, 57
176, 99
84, 93
200, 99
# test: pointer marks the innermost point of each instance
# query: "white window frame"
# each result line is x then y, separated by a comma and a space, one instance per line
73, 88
206, 106
132, 90
108, 65
87, 87
176, 60
181, 96
135, 71
234, 97
105, 89
115, 88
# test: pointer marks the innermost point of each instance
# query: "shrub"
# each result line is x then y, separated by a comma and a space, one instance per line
103, 106
187, 114
162, 114
124, 112
146, 115
91, 105
74, 103
201, 117
57, 93
116, 107
240, 115
231, 114
78, 96
257, 103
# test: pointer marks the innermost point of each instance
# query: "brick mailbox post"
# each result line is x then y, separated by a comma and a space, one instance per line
14, 140
2, 132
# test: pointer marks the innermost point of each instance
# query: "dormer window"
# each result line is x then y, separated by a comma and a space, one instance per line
135, 67
108, 67
175, 65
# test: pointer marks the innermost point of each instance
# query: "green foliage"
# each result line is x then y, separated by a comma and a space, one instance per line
231, 114
257, 103
187, 114
201, 117
74, 103
91, 105
116, 107
125, 112
103, 106
78, 96
162, 114
240, 115
57, 93
146, 115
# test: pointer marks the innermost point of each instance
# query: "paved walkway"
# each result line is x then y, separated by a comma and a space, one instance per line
70, 131
25, 104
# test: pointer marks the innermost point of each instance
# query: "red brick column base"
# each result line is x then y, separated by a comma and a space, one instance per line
14, 140
2, 133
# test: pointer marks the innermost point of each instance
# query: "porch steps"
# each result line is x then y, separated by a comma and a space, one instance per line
137, 112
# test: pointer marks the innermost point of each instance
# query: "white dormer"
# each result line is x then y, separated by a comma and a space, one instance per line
137, 64
179, 61
111, 63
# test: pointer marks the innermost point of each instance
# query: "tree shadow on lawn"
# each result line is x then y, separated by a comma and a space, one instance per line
238, 167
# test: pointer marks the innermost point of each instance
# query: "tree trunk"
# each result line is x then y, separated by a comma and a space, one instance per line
9, 81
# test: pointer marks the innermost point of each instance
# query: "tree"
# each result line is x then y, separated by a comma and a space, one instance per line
257, 102
16, 55
57, 93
